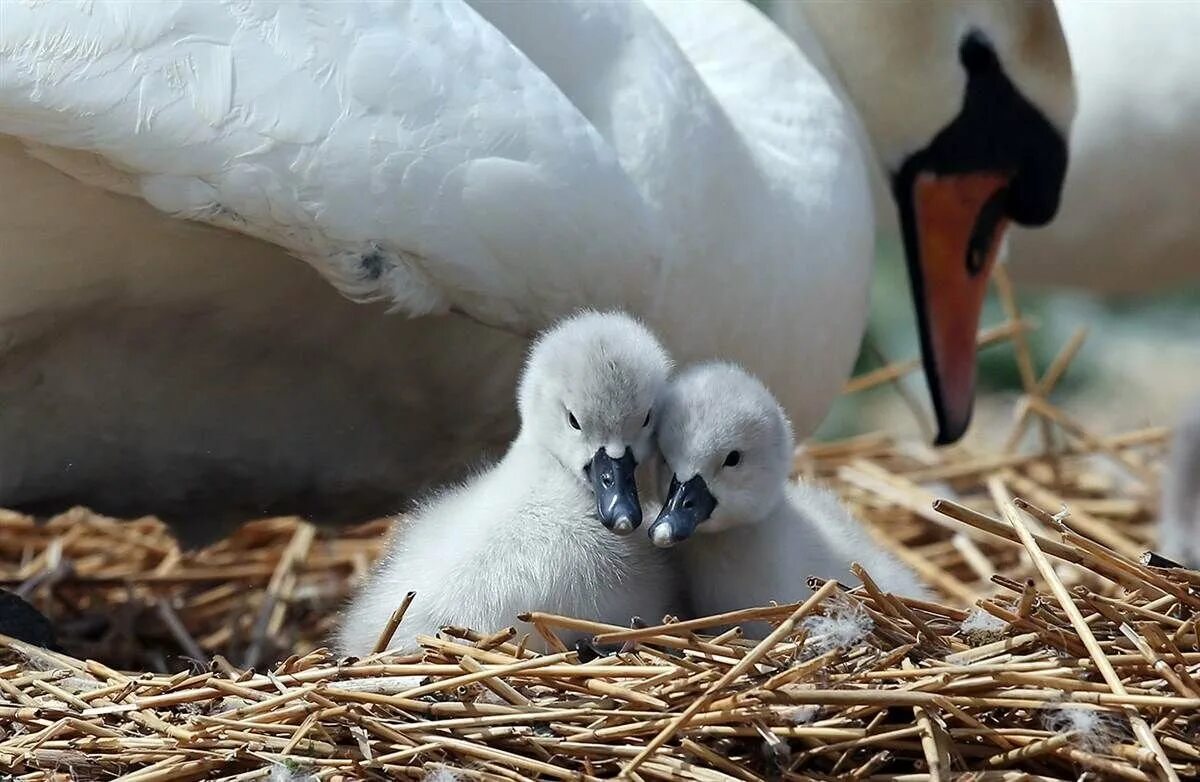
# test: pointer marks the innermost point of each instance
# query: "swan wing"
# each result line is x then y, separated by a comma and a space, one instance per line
805, 231
749, 160
405, 150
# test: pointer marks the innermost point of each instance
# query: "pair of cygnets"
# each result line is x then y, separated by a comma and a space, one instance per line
547, 527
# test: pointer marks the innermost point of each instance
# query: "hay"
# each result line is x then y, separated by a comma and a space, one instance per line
1089, 676
125, 593
1051, 649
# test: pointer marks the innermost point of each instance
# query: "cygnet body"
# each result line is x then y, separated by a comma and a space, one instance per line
523, 535
1179, 535
727, 448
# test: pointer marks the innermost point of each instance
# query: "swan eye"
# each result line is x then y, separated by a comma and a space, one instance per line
571, 420
647, 421
733, 459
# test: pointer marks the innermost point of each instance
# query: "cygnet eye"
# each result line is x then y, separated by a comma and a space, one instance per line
647, 421
733, 459
571, 420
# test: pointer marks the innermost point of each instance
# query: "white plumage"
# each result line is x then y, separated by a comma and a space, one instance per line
500, 165
523, 535
1179, 534
721, 429
341, 132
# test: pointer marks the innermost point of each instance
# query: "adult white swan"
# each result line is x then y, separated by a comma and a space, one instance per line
487, 167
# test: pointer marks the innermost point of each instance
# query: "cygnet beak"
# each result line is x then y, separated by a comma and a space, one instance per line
687, 505
615, 486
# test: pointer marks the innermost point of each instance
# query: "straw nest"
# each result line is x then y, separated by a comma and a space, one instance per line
1053, 649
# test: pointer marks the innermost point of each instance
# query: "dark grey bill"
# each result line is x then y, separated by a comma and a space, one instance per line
688, 504
613, 481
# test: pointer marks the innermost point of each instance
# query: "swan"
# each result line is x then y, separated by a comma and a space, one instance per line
1130, 193
726, 451
483, 169
522, 535
973, 138
1179, 531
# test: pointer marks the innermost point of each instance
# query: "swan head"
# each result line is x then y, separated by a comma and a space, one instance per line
968, 106
587, 396
726, 446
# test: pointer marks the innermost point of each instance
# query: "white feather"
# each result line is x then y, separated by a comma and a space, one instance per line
766, 536
281, 772
288, 121
980, 621
442, 774
843, 624
981, 628
1095, 730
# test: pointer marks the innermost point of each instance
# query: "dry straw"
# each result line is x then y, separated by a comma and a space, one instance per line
1052, 650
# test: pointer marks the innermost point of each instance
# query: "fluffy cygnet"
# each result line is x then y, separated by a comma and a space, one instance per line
727, 451
1179, 534
523, 535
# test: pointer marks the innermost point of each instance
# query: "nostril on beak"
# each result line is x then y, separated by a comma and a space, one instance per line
607, 480
688, 504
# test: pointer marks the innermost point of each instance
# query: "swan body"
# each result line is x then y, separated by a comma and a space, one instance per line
523, 534
1179, 533
156, 365
411, 154
340, 133
745, 154
727, 450
1127, 223
481, 169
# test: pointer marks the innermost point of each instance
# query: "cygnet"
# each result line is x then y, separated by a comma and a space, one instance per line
1179, 533
523, 534
726, 449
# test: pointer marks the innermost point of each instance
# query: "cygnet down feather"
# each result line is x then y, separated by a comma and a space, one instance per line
523, 535
1179, 533
726, 449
